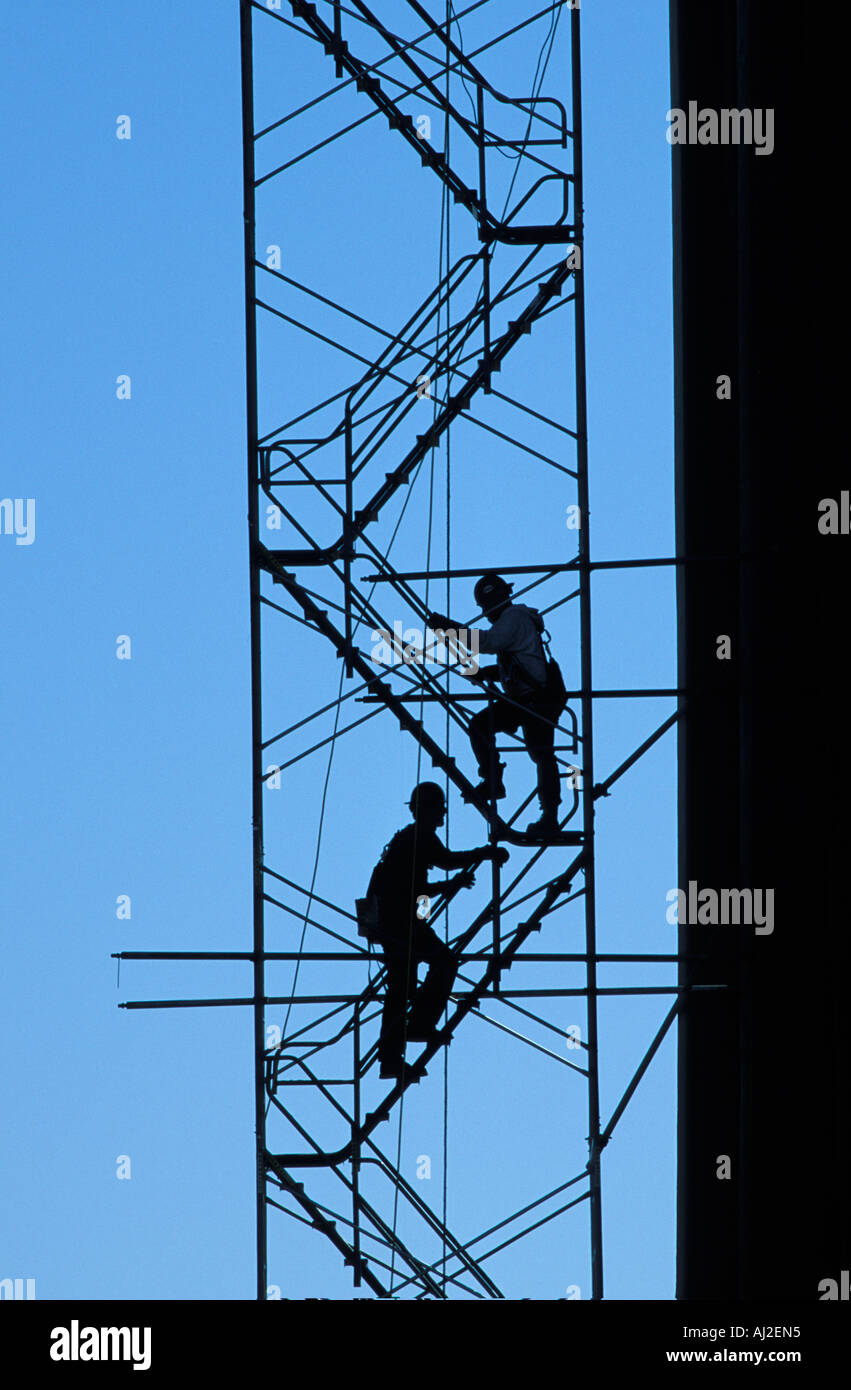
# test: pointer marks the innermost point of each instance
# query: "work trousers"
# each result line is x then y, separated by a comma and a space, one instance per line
401, 957
538, 735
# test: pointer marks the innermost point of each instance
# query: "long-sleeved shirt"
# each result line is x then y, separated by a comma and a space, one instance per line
401, 875
516, 637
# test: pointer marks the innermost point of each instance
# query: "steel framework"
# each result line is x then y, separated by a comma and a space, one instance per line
345, 459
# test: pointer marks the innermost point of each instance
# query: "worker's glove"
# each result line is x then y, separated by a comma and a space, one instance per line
439, 621
499, 854
483, 675
466, 878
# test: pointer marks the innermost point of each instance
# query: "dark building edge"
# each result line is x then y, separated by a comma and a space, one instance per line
763, 737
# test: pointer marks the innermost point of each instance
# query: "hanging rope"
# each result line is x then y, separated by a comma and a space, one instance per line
448, 206
443, 267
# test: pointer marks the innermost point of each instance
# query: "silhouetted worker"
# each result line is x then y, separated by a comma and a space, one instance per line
534, 690
399, 881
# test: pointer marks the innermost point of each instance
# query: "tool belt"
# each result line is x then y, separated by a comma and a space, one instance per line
369, 919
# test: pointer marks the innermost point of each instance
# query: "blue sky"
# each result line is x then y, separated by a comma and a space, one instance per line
132, 777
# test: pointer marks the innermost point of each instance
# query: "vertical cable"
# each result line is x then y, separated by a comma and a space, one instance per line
448, 609
247, 81
595, 1197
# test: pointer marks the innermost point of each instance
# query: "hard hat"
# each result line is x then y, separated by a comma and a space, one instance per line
491, 590
427, 794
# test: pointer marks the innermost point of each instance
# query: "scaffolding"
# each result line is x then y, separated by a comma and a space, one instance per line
325, 480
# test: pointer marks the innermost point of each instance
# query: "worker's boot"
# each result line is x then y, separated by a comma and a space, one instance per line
397, 1069
420, 1033
421, 1029
492, 788
546, 828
